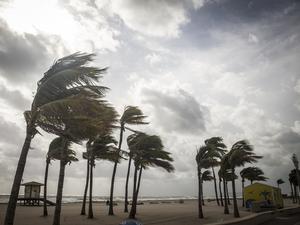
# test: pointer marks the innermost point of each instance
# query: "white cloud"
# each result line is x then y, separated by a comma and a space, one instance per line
153, 58
155, 18
252, 38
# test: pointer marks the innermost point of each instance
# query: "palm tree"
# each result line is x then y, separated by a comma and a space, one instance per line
294, 182
203, 159
220, 187
206, 176
251, 174
66, 155
216, 144
241, 153
279, 181
132, 115
292, 191
147, 152
102, 148
84, 156
52, 154
64, 86
223, 174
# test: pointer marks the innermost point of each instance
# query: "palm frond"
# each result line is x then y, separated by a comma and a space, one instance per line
133, 115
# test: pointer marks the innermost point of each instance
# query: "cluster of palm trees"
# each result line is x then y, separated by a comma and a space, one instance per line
70, 104
214, 154
294, 185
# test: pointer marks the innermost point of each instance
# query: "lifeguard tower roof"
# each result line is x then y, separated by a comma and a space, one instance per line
32, 183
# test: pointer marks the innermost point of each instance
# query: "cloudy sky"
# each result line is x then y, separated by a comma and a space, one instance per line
197, 68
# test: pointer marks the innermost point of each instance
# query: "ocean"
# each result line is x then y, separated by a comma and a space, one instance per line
74, 199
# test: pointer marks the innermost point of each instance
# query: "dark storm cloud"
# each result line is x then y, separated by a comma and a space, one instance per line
14, 98
23, 54
177, 111
290, 142
230, 15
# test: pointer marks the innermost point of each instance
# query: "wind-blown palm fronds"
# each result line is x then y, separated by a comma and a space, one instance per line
146, 151
241, 153
64, 94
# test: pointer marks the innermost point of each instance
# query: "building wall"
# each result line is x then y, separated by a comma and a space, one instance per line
261, 192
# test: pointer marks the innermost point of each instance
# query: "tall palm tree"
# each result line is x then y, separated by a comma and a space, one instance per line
206, 176
251, 174
57, 91
132, 115
216, 144
203, 160
66, 155
279, 181
148, 152
241, 153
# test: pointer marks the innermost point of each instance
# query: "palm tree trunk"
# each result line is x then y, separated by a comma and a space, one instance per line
139, 182
13, 198
86, 187
56, 220
226, 209
215, 185
243, 186
296, 194
126, 186
111, 198
235, 206
292, 192
91, 215
45, 213
134, 198
220, 190
227, 193
202, 196
200, 210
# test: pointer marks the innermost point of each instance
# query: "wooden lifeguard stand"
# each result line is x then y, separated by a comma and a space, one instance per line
31, 193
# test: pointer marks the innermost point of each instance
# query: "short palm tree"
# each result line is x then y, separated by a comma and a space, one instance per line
102, 148
279, 181
226, 175
147, 152
66, 156
216, 144
66, 85
206, 176
203, 160
132, 115
241, 153
53, 153
251, 174
294, 182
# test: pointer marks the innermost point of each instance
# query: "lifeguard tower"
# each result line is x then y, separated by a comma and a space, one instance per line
31, 193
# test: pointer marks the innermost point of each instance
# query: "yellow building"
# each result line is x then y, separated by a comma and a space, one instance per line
266, 195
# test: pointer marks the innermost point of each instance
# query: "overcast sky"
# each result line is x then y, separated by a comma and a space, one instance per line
197, 68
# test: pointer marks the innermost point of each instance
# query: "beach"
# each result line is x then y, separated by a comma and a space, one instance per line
154, 212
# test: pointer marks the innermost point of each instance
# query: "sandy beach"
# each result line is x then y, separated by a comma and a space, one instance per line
162, 213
